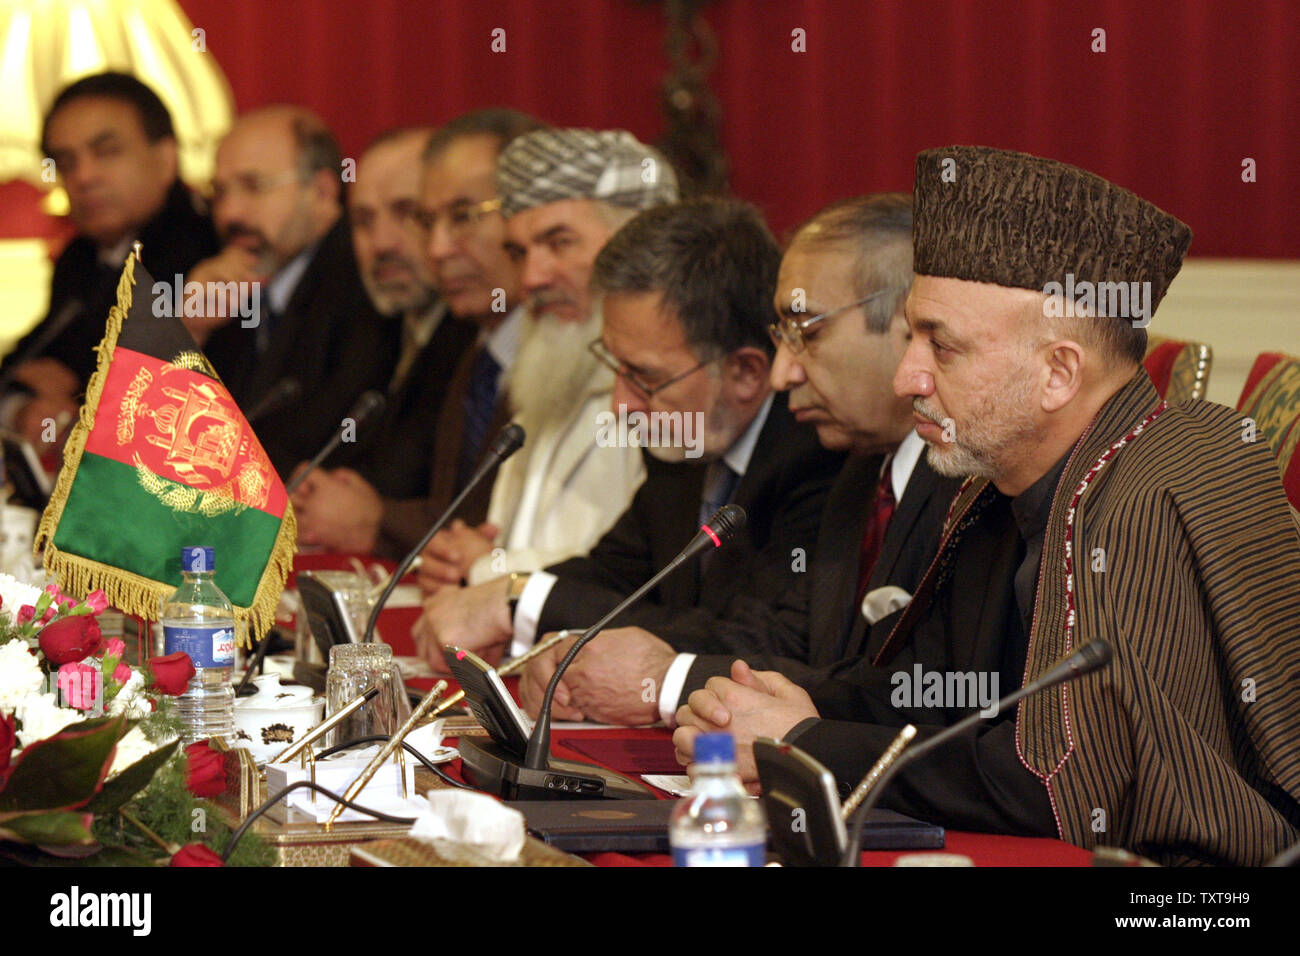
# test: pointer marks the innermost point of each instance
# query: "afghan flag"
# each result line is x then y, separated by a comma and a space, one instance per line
161, 458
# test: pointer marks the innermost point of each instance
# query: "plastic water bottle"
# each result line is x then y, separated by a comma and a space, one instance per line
200, 620
720, 825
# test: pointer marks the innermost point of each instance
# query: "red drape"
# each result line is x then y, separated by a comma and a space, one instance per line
1185, 91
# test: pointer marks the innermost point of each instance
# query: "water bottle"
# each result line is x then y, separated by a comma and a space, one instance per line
200, 620
720, 825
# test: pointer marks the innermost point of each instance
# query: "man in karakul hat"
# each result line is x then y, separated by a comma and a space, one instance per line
1095, 512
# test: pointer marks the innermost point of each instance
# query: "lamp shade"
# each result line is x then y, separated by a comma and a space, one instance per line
46, 44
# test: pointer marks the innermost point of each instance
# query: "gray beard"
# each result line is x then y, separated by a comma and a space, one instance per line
554, 372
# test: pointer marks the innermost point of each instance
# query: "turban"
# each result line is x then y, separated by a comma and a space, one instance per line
549, 165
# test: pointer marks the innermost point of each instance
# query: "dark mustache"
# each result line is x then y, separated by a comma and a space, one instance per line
236, 230
392, 258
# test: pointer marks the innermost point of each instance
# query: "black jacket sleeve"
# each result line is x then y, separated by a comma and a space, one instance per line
975, 782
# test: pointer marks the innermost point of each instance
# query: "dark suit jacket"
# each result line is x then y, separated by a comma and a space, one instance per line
405, 520
783, 492
396, 453
329, 338
977, 782
816, 621
171, 242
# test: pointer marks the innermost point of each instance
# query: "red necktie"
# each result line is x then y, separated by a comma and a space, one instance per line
873, 534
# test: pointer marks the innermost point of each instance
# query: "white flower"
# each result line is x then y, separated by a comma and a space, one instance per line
41, 717
129, 700
14, 594
133, 747
20, 675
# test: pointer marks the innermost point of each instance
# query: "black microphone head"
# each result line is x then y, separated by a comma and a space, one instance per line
508, 441
370, 403
726, 522
1096, 653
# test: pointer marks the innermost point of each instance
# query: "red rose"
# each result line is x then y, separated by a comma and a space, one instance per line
196, 854
205, 773
70, 639
7, 740
172, 672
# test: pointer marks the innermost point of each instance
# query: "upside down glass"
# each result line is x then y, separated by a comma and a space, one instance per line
353, 670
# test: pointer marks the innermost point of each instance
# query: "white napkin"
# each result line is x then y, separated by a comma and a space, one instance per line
462, 816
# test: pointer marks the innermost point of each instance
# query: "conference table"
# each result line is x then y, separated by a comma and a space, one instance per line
636, 750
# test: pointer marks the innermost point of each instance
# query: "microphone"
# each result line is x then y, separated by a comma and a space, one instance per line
367, 405
494, 765
507, 441
725, 523
1092, 656
281, 394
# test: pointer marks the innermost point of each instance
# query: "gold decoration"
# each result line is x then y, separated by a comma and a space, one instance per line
182, 498
194, 362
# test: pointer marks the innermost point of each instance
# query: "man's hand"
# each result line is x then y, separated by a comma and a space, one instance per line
446, 559
751, 704
537, 675
339, 510
616, 679
231, 264
477, 619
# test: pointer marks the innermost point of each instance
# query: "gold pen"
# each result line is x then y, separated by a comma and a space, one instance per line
386, 751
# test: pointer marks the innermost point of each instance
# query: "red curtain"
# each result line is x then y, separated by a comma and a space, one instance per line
1185, 91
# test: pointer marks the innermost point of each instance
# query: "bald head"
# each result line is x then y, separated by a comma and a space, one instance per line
277, 184
382, 208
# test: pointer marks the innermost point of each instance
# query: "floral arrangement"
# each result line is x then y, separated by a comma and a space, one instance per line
91, 769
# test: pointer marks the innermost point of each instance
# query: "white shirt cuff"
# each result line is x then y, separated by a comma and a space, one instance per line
531, 601
674, 681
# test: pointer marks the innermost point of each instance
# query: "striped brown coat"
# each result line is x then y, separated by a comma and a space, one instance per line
1186, 559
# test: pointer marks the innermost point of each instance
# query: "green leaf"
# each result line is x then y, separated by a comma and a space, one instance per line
130, 781
64, 771
52, 829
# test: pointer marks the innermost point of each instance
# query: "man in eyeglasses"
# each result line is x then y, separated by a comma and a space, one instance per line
690, 347
563, 194
460, 235
277, 206
839, 335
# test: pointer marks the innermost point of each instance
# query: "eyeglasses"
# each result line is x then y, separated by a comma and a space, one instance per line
597, 348
461, 217
253, 184
789, 331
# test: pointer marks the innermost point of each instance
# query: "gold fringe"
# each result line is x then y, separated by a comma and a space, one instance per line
132, 593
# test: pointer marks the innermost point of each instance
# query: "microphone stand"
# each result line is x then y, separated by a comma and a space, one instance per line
369, 403
728, 520
492, 766
508, 441
1086, 659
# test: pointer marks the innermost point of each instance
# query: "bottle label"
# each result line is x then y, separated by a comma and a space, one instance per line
719, 855
208, 645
